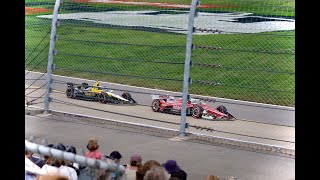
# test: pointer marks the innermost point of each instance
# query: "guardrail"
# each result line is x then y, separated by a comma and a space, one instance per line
81, 160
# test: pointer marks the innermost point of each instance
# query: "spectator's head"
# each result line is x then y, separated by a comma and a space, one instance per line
59, 146
115, 156
146, 167
71, 149
156, 173
46, 157
171, 165
179, 174
53, 161
135, 160
28, 153
92, 144
212, 177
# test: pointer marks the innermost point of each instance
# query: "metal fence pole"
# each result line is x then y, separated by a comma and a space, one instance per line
51, 54
186, 78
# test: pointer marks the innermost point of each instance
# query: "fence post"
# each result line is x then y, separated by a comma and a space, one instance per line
186, 76
51, 54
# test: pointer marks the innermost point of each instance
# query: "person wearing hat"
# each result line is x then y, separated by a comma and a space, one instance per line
174, 169
115, 156
135, 163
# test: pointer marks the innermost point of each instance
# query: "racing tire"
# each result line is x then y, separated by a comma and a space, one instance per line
69, 93
128, 97
111, 100
222, 109
96, 98
197, 112
155, 105
102, 98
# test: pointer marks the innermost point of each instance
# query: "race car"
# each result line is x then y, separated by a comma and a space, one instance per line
97, 93
196, 108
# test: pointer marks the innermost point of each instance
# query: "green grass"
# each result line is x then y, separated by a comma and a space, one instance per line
254, 67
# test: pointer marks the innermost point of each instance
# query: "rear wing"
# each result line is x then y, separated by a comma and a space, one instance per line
162, 97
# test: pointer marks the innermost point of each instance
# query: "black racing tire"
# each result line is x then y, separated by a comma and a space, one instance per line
197, 112
102, 98
70, 93
222, 109
155, 105
128, 97
96, 97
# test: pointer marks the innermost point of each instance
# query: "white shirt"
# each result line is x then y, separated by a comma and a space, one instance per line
131, 174
69, 172
31, 167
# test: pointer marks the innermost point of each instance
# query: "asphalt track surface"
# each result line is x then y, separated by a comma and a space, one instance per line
196, 159
276, 135
265, 113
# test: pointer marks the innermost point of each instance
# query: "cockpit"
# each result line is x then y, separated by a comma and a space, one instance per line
197, 101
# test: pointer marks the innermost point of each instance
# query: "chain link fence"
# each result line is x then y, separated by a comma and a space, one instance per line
242, 50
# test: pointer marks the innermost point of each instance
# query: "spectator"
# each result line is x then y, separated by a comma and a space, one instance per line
212, 177
93, 147
156, 173
35, 160
56, 166
173, 168
135, 163
46, 157
31, 169
145, 167
116, 157
73, 165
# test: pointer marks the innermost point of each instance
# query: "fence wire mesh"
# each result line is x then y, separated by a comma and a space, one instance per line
242, 50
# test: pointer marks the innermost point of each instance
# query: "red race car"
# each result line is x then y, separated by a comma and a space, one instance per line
195, 107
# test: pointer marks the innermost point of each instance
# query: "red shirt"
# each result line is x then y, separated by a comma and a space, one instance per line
93, 154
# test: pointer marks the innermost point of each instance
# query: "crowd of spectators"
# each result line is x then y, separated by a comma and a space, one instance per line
50, 168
